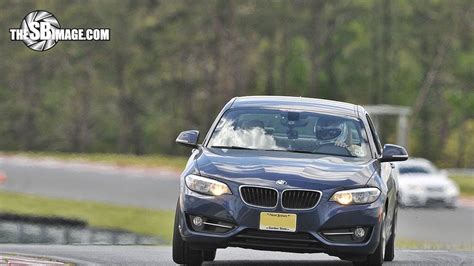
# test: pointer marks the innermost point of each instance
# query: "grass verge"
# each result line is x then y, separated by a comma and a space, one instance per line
417, 244
139, 220
465, 183
168, 161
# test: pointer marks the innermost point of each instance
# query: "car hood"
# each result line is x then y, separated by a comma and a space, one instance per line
297, 169
425, 180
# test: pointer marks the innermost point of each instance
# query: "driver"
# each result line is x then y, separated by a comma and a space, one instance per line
333, 130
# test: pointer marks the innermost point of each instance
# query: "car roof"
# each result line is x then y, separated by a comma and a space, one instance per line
301, 103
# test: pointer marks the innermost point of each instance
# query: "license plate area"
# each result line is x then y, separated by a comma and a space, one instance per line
273, 221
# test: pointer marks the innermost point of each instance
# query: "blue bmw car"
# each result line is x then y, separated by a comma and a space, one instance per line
288, 174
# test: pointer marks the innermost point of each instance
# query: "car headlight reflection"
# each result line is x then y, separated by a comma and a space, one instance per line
452, 189
356, 196
206, 186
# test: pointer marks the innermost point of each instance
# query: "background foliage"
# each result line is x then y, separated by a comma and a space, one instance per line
171, 65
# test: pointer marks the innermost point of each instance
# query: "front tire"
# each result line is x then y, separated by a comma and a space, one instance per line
376, 258
209, 255
390, 248
182, 253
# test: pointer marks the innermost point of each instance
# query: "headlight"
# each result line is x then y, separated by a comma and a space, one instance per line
206, 185
356, 196
452, 189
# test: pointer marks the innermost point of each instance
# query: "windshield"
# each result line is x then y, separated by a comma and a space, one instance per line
405, 170
292, 131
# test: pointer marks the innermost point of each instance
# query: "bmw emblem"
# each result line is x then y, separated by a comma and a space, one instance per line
281, 182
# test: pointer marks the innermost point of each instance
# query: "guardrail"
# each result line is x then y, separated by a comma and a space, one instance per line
21, 232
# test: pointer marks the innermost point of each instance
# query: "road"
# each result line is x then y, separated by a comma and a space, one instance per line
451, 227
149, 188
146, 255
153, 188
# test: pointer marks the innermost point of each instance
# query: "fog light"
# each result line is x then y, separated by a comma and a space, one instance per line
359, 232
197, 221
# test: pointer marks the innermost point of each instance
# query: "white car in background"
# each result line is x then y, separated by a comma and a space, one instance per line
422, 184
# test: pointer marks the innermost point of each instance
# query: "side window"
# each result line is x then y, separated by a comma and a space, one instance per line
375, 137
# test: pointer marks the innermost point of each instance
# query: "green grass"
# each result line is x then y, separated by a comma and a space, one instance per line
139, 220
417, 244
466, 184
167, 161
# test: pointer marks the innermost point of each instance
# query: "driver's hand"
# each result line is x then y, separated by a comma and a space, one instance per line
340, 143
356, 150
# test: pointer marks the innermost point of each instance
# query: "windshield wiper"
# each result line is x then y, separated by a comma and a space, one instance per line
299, 151
320, 153
233, 147
295, 151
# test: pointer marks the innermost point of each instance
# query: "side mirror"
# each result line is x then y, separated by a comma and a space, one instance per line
188, 138
393, 153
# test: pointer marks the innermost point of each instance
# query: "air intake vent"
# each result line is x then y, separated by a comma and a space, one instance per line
300, 199
259, 196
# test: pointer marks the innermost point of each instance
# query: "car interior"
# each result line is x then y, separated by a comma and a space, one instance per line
301, 132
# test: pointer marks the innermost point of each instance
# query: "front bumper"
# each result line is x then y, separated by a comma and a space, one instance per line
422, 198
308, 237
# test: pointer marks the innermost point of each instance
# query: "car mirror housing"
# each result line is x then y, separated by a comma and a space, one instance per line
188, 138
393, 153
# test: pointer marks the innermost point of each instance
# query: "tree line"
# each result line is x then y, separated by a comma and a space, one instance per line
171, 65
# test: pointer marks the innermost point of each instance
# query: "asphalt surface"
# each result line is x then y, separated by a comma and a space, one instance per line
449, 227
149, 188
146, 255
